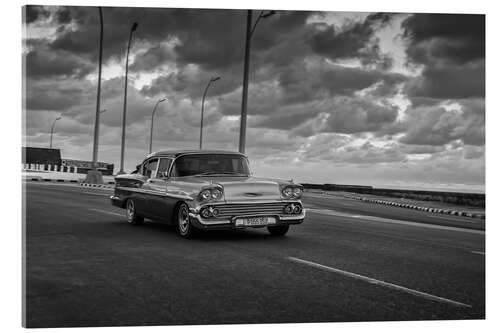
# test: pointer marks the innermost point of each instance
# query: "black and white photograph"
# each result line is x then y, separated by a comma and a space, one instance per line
217, 166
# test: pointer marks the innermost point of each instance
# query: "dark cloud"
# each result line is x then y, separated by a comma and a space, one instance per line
354, 41
63, 15
434, 125
35, 13
59, 95
457, 38
449, 82
152, 59
190, 82
346, 115
41, 64
302, 83
451, 49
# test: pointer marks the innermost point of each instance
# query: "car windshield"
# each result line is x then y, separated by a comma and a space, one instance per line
210, 164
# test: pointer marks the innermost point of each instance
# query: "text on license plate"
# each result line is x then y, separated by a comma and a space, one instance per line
254, 221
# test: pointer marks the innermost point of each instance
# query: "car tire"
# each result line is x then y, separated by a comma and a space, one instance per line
130, 211
184, 226
278, 230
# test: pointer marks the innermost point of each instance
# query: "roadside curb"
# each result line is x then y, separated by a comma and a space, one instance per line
422, 208
108, 185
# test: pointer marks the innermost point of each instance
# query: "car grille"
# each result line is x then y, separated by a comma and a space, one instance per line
230, 210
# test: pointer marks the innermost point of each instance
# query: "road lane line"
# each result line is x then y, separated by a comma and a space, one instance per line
371, 219
447, 218
478, 252
106, 212
96, 193
380, 283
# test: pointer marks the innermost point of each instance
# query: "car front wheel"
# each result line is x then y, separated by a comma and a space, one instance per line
132, 216
184, 226
278, 230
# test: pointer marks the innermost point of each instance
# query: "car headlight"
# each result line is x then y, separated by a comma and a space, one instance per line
205, 195
291, 192
297, 192
216, 194
211, 194
287, 192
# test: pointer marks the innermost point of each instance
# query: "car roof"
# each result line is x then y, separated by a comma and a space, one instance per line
175, 153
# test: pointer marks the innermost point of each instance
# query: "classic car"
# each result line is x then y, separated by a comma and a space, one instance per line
205, 190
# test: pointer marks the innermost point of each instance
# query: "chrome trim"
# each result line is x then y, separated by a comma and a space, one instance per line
209, 222
248, 202
280, 218
162, 194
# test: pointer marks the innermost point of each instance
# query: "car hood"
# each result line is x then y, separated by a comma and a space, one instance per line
242, 188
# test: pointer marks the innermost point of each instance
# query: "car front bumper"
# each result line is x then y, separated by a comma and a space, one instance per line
228, 224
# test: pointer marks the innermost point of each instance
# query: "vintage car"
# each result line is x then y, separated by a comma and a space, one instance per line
205, 190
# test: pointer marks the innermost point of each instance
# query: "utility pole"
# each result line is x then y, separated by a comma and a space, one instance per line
250, 30
124, 118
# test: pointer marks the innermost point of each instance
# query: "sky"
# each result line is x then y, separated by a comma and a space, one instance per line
383, 99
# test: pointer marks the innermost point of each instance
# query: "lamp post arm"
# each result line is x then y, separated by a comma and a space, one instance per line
151, 132
256, 21
202, 109
52, 132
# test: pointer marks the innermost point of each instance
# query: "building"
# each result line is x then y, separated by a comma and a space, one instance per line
47, 158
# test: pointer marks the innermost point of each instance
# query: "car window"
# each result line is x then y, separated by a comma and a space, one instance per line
149, 169
163, 167
206, 164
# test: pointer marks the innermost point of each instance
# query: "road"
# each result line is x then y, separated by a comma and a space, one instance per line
349, 261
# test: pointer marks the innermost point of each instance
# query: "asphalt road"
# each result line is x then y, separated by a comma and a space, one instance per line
349, 261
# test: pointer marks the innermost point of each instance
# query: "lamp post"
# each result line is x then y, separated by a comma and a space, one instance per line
124, 118
152, 119
103, 110
98, 104
202, 105
52, 130
244, 98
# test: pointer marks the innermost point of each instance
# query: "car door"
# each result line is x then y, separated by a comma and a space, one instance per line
156, 185
143, 195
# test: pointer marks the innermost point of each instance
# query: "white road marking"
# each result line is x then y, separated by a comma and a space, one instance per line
366, 218
448, 218
96, 193
478, 252
345, 203
380, 283
106, 212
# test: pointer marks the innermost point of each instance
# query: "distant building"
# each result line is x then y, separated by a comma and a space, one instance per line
33, 155
84, 166
47, 156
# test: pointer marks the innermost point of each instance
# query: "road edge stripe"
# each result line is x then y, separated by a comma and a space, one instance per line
379, 282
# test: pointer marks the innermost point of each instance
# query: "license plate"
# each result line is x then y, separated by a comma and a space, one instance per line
255, 221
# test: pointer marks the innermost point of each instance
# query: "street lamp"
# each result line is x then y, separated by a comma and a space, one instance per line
124, 119
202, 104
52, 129
103, 110
98, 104
152, 119
250, 30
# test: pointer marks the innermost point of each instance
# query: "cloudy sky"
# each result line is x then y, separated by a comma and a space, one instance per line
382, 99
